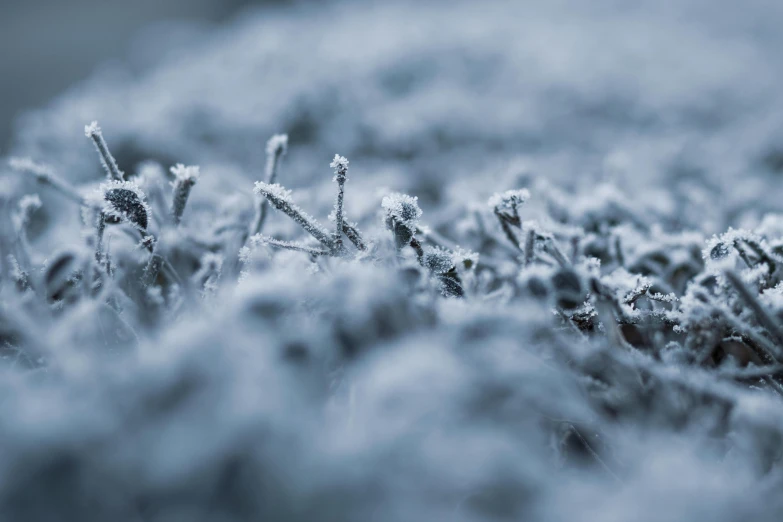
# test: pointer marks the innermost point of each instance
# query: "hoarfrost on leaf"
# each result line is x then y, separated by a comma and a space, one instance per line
124, 200
438, 261
403, 209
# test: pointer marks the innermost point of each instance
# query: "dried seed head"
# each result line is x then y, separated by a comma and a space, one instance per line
124, 200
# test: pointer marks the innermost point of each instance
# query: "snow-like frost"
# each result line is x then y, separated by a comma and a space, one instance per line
339, 163
404, 209
277, 144
275, 189
509, 200
611, 364
190, 173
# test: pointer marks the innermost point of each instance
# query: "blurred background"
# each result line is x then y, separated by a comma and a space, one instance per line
47, 45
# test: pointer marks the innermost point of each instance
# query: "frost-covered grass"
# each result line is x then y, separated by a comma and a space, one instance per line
518, 296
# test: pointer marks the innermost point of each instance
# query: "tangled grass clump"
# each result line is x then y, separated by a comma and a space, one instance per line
489, 352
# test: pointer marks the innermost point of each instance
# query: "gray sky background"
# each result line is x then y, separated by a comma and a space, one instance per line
47, 45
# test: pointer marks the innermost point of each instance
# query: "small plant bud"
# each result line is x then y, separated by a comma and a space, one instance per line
506, 204
186, 177
402, 217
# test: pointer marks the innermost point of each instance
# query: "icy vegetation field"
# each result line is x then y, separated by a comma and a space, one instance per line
392, 262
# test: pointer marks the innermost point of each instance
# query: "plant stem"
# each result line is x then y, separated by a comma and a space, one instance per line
113, 172
276, 148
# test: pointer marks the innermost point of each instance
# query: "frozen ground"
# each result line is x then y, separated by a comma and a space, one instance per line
596, 344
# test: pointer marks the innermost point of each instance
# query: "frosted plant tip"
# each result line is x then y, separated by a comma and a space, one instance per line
339, 163
30, 203
402, 208
277, 144
509, 200
92, 129
188, 173
28, 165
274, 189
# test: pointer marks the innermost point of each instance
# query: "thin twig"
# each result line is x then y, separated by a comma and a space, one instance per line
759, 310
276, 148
340, 166
186, 177
281, 200
354, 236
113, 172
297, 247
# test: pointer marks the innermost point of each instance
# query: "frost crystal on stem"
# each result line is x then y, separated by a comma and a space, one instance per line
113, 172
154, 264
280, 198
276, 148
288, 245
506, 205
185, 178
402, 217
340, 166
46, 176
124, 200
